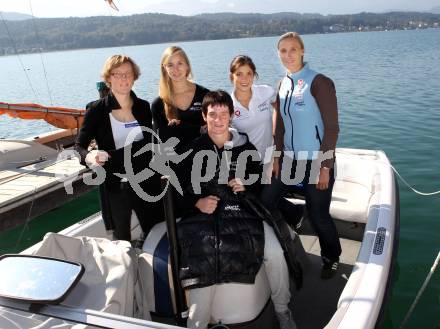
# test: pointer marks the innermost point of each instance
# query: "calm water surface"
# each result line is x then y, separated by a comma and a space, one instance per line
388, 90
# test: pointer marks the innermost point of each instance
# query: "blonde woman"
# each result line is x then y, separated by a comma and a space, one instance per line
307, 124
177, 110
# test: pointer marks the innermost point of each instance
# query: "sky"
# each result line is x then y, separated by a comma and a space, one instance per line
82, 8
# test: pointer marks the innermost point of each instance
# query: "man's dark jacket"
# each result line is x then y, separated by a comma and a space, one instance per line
228, 245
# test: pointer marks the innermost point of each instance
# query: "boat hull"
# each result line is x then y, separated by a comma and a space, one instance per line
369, 233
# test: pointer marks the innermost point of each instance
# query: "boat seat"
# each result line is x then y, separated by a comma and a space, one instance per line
353, 189
156, 277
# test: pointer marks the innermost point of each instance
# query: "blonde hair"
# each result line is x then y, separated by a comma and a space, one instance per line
165, 83
290, 35
115, 61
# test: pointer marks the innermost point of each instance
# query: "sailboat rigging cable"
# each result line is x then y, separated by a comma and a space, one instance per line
18, 56
39, 51
112, 22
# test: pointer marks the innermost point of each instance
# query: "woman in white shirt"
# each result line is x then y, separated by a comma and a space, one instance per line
253, 105
253, 115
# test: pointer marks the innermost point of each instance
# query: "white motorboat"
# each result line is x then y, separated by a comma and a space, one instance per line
120, 285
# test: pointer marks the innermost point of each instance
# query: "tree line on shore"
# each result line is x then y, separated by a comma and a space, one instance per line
51, 34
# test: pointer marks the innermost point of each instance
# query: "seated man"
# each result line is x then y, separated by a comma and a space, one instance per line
220, 240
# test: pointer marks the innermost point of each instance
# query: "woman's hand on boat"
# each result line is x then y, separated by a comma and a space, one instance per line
207, 205
324, 178
237, 185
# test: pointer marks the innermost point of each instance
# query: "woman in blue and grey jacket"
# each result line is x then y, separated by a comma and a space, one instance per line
306, 132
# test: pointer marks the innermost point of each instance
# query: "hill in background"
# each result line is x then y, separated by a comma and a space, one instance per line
50, 34
435, 10
15, 16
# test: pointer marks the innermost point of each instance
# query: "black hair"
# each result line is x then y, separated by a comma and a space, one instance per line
217, 97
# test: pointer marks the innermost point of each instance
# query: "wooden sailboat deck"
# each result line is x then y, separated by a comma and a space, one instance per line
31, 190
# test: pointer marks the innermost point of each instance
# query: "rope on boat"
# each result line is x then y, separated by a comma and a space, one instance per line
28, 218
400, 176
420, 292
410, 187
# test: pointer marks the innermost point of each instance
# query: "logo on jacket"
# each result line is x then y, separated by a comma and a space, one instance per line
234, 207
298, 99
237, 113
298, 96
197, 106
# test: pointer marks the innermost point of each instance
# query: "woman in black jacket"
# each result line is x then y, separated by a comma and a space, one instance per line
113, 121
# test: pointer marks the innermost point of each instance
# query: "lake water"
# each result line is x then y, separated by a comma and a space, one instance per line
388, 87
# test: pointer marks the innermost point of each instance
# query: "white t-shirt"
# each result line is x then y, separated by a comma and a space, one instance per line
256, 121
122, 129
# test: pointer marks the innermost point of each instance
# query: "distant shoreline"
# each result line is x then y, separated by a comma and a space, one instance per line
59, 34
183, 41
194, 40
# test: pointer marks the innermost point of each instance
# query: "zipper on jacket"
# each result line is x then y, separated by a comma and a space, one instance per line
217, 245
317, 135
292, 88
216, 234
218, 166
285, 102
